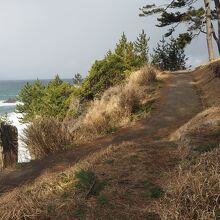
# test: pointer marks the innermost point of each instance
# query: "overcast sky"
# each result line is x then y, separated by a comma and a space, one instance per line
40, 38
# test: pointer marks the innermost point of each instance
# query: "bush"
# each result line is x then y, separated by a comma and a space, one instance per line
45, 136
146, 75
119, 102
113, 69
169, 55
52, 100
88, 183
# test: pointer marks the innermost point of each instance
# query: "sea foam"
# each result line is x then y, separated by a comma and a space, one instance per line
6, 104
23, 153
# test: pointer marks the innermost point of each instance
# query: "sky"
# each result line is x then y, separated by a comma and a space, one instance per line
42, 38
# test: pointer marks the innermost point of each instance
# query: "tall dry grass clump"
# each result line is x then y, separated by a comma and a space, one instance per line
45, 136
119, 102
194, 192
144, 76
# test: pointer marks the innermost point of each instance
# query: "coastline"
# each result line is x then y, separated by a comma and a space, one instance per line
23, 153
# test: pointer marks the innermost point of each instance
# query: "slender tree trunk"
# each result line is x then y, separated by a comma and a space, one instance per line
217, 39
209, 29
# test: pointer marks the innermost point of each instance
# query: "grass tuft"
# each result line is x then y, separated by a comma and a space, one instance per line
118, 103
206, 148
88, 183
193, 192
46, 136
151, 191
79, 213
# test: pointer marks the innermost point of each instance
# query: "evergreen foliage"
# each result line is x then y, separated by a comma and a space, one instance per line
111, 70
193, 14
77, 79
39, 100
181, 11
54, 99
141, 47
169, 55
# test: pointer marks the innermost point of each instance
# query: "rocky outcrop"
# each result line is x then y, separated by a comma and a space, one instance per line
8, 145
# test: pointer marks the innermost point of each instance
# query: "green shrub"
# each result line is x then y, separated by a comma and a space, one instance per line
112, 70
206, 148
169, 55
88, 183
151, 190
79, 213
52, 100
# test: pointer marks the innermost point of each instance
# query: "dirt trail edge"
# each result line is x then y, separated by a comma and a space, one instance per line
178, 104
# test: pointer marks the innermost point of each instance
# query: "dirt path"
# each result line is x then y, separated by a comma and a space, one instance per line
178, 104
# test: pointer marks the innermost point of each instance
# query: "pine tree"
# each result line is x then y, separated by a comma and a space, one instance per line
55, 82
160, 56
169, 56
31, 98
141, 48
121, 46
25, 98
131, 60
39, 100
77, 79
197, 18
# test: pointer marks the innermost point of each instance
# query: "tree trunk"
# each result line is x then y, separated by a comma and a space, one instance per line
217, 6
209, 29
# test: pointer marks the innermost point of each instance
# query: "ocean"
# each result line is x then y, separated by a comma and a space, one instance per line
9, 89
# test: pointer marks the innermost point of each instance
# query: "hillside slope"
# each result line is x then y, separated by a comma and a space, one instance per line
119, 176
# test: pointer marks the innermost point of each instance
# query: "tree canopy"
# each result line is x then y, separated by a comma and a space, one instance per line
169, 55
198, 16
111, 70
50, 100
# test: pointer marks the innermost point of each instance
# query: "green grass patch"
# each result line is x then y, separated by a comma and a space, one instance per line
157, 138
103, 201
65, 178
141, 110
152, 216
134, 158
51, 208
69, 147
108, 131
206, 148
21, 165
89, 183
109, 162
151, 190
79, 213
217, 133
66, 195
217, 214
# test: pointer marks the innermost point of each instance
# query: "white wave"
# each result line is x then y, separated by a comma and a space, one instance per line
23, 153
4, 104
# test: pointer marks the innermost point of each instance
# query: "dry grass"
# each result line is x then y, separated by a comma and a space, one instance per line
194, 190
46, 136
118, 103
208, 82
202, 129
131, 171
144, 76
44, 198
